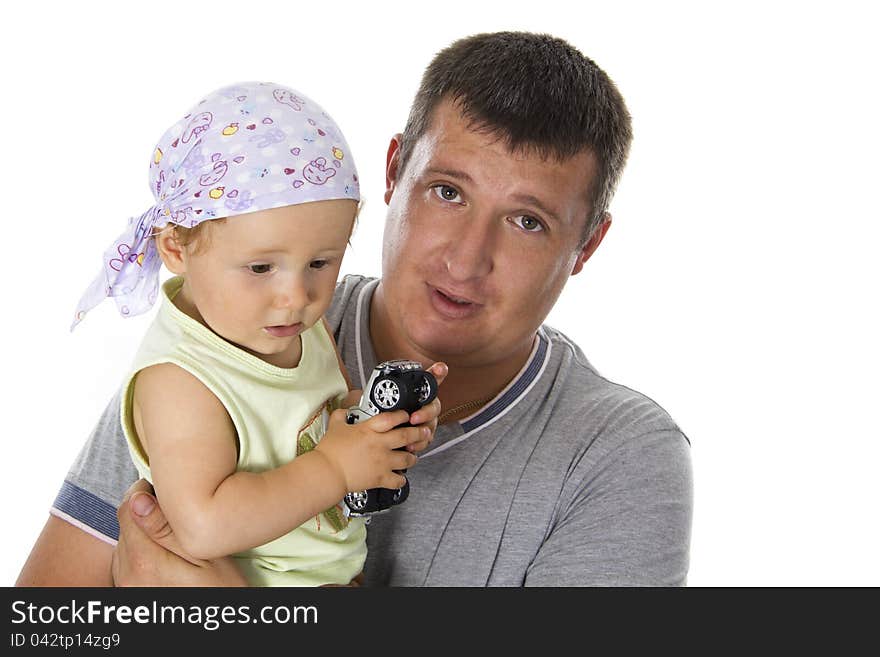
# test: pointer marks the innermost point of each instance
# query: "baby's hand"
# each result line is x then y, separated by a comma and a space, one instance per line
369, 454
428, 414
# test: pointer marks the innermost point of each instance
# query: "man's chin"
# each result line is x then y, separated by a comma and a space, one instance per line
450, 346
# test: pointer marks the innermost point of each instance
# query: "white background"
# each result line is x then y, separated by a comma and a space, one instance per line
737, 286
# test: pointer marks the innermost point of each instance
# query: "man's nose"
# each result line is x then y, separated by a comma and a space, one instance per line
470, 251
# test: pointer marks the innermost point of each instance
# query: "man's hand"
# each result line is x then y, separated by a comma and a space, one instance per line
148, 553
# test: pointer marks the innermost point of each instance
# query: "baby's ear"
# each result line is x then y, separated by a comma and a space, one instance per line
170, 249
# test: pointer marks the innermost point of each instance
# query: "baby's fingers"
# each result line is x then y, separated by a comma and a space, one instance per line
427, 413
405, 436
383, 422
393, 480
403, 460
415, 447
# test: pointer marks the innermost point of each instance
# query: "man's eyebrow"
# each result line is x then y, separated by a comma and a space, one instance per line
451, 173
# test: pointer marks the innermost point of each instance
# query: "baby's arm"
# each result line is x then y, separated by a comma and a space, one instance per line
216, 511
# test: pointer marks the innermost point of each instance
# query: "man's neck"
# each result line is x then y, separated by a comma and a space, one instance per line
466, 382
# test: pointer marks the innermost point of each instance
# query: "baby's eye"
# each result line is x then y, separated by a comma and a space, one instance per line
318, 264
260, 269
447, 193
528, 224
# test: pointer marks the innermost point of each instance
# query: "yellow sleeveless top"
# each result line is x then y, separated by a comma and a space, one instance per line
278, 413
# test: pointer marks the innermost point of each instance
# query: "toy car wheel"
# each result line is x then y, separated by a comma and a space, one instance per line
427, 390
386, 394
400, 495
357, 501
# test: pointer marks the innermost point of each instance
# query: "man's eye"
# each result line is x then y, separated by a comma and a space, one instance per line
260, 269
318, 264
529, 224
447, 193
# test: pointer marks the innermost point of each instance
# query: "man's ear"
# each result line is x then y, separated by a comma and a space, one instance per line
592, 244
170, 249
392, 160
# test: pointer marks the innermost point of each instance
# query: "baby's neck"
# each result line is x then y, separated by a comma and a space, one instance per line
185, 305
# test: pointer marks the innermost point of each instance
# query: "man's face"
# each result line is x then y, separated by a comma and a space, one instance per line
479, 241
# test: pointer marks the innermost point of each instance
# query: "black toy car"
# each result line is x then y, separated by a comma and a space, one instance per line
393, 385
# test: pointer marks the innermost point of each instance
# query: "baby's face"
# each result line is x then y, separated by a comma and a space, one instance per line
265, 277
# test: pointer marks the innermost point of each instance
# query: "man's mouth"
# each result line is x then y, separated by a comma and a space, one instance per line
459, 300
453, 305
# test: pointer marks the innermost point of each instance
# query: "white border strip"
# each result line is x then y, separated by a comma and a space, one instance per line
91, 531
455, 441
512, 383
357, 333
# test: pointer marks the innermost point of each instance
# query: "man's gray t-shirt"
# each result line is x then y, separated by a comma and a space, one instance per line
564, 479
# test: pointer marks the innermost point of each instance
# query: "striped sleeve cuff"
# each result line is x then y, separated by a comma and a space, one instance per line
86, 511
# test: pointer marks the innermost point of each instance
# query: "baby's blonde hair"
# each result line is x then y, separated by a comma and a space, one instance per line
194, 239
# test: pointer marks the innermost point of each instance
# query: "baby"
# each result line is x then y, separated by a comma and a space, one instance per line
233, 406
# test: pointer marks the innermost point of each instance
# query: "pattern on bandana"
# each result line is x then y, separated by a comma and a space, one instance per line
243, 148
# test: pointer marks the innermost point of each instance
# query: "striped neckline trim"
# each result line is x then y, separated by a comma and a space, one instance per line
498, 407
515, 389
507, 399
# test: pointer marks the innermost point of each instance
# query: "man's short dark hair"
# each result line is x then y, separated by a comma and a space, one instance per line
536, 92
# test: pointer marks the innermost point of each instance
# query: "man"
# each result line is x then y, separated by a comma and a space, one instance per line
542, 472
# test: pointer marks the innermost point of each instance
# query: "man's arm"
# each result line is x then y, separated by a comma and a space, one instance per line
148, 554
76, 544
627, 521
65, 555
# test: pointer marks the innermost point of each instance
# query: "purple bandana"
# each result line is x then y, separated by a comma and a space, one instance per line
247, 147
